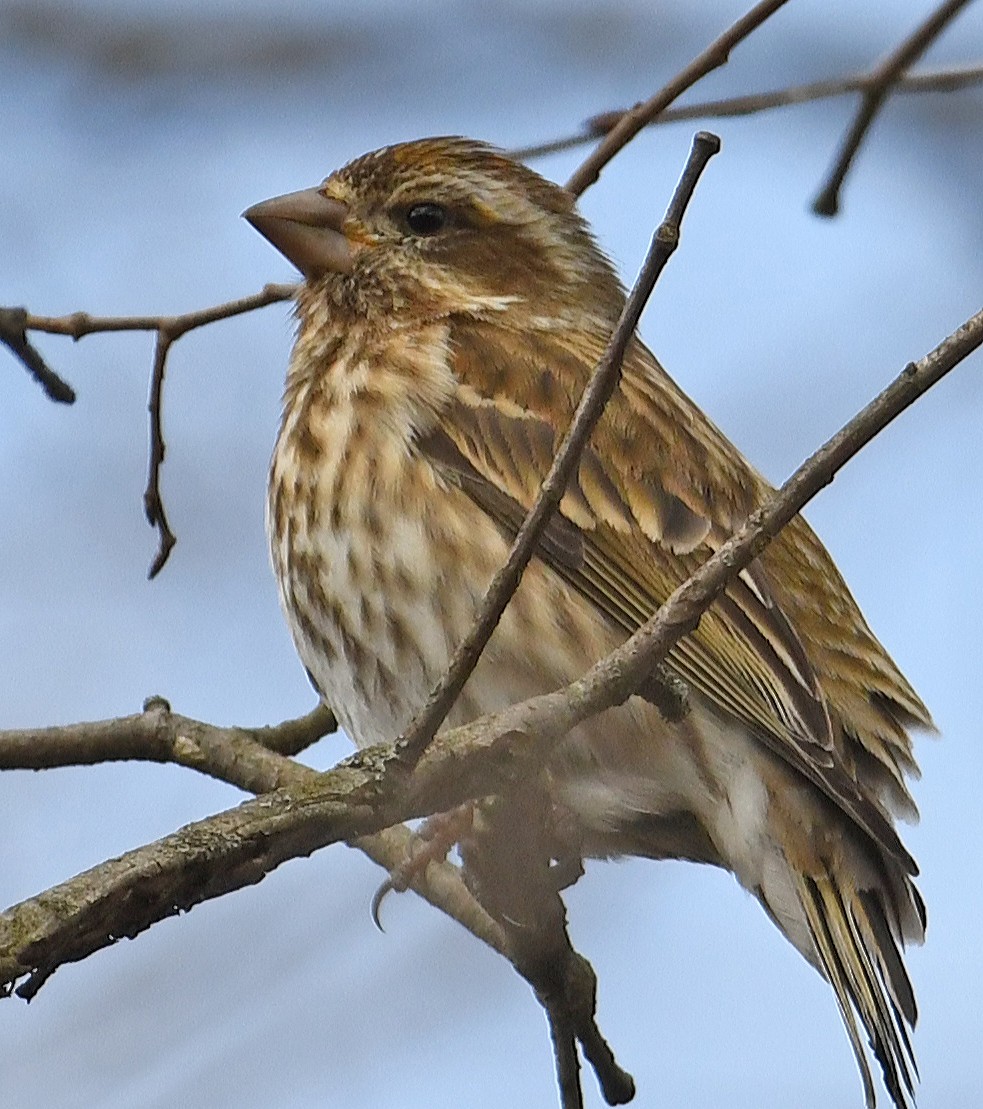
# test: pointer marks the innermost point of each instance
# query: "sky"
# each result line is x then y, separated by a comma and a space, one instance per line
134, 135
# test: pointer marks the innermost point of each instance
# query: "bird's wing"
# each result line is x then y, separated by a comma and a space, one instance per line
785, 650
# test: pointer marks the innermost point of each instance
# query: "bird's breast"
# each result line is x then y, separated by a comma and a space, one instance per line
382, 560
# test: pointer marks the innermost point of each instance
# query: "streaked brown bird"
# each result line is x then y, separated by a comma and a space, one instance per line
453, 309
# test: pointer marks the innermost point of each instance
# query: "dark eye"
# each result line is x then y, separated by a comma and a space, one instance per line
426, 219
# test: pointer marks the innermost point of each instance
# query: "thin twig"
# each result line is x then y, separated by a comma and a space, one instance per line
169, 329
565, 1060
882, 79
602, 384
683, 609
77, 325
153, 504
13, 335
715, 55
936, 80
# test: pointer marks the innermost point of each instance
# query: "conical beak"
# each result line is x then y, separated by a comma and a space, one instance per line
306, 227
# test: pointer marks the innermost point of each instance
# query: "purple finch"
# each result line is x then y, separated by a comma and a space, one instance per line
453, 309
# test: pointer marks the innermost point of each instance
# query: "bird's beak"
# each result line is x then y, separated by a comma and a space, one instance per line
305, 227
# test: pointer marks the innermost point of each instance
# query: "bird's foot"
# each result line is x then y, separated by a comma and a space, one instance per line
432, 843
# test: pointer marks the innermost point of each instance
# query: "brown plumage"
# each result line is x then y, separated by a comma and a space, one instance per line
454, 307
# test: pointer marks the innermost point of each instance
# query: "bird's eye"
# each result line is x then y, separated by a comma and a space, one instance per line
426, 219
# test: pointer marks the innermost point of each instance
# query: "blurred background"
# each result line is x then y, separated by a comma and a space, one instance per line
134, 135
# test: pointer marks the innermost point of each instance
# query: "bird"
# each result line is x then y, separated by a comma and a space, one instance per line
453, 308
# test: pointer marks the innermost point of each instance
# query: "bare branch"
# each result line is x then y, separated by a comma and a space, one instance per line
948, 79
238, 847
235, 755
715, 55
13, 335
602, 384
153, 504
566, 1061
79, 324
159, 735
613, 679
882, 79
16, 322
507, 861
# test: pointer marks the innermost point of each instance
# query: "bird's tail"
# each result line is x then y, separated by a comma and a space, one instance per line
858, 937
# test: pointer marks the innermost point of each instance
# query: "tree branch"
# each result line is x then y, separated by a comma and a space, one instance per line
628, 126
77, 325
882, 79
158, 735
16, 322
13, 335
99, 903
949, 79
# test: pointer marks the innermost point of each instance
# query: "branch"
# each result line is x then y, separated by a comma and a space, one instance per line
507, 862
158, 735
153, 504
715, 55
602, 384
16, 322
13, 335
936, 80
79, 324
97, 903
370, 791
882, 79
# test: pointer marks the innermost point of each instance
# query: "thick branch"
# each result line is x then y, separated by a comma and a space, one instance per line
254, 759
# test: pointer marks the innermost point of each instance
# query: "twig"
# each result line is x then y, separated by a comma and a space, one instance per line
614, 678
566, 1061
159, 735
77, 325
883, 77
13, 335
715, 55
936, 80
153, 504
169, 329
602, 384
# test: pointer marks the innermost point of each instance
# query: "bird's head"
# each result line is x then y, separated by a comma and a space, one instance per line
441, 227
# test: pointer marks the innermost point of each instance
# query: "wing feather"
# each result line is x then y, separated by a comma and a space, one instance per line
658, 490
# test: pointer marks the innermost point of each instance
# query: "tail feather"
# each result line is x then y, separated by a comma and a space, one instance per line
887, 941
859, 954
